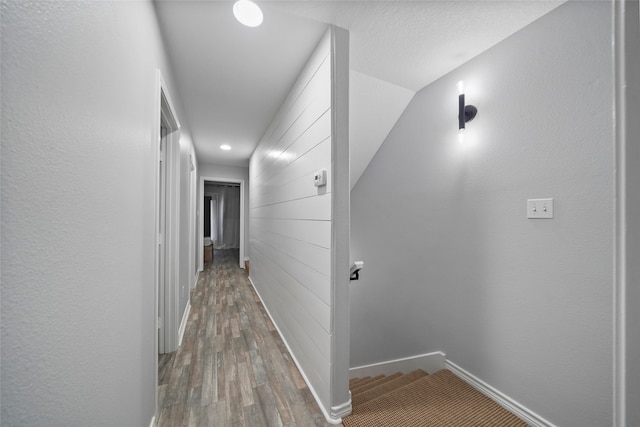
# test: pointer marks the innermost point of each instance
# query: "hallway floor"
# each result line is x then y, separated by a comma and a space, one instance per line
233, 368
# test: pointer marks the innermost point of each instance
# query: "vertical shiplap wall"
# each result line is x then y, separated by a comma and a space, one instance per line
291, 220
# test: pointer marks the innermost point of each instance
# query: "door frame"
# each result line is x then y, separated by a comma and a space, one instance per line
627, 131
165, 112
193, 217
242, 217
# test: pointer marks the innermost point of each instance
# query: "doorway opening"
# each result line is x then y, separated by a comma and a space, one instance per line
222, 204
168, 224
166, 143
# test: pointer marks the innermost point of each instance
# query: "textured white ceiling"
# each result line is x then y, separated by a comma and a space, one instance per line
232, 79
412, 43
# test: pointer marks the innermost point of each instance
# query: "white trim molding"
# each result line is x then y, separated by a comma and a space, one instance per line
340, 331
627, 204
165, 290
429, 362
327, 416
342, 410
500, 398
620, 232
183, 323
195, 280
153, 422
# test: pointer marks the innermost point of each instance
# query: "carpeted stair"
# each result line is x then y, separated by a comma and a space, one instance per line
421, 400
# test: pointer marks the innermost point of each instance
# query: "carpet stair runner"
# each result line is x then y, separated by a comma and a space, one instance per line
421, 400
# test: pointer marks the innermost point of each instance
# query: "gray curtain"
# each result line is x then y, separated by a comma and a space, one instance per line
225, 216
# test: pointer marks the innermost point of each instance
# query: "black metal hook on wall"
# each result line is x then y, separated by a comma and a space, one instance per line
354, 272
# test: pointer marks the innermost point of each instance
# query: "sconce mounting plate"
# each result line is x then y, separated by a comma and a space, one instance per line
469, 113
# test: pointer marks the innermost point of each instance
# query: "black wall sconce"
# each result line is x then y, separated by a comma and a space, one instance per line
466, 113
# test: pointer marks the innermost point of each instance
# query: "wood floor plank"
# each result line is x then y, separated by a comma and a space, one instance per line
233, 368
259, 374
245, 384
220, 376
209, 388
215, 415
268, 404
234, 404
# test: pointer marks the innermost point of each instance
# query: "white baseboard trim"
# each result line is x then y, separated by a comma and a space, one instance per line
430, 362
500, 398
183, 323
328, 417
195, 280
343, 410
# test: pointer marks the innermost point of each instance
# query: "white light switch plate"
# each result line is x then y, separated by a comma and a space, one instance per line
540, 208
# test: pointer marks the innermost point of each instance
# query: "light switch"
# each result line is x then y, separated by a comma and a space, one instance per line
540, 208
320, 178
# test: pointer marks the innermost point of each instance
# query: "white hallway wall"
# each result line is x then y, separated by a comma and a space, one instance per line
78, 204
453, 264
293, 246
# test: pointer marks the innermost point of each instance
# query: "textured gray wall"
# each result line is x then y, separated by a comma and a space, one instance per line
78, 310
451, 261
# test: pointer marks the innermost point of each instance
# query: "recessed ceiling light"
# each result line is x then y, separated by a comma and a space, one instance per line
225, 147
248, 13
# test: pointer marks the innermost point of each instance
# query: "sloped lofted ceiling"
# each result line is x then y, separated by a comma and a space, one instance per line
231, 79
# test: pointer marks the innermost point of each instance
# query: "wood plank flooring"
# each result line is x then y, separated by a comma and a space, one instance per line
233, 368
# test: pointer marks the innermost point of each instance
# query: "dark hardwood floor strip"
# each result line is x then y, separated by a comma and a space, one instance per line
232, 369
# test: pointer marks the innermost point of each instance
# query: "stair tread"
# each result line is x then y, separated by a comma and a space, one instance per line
438, 399
420, 385
387, 387
355, 381
386, 378
370, 380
